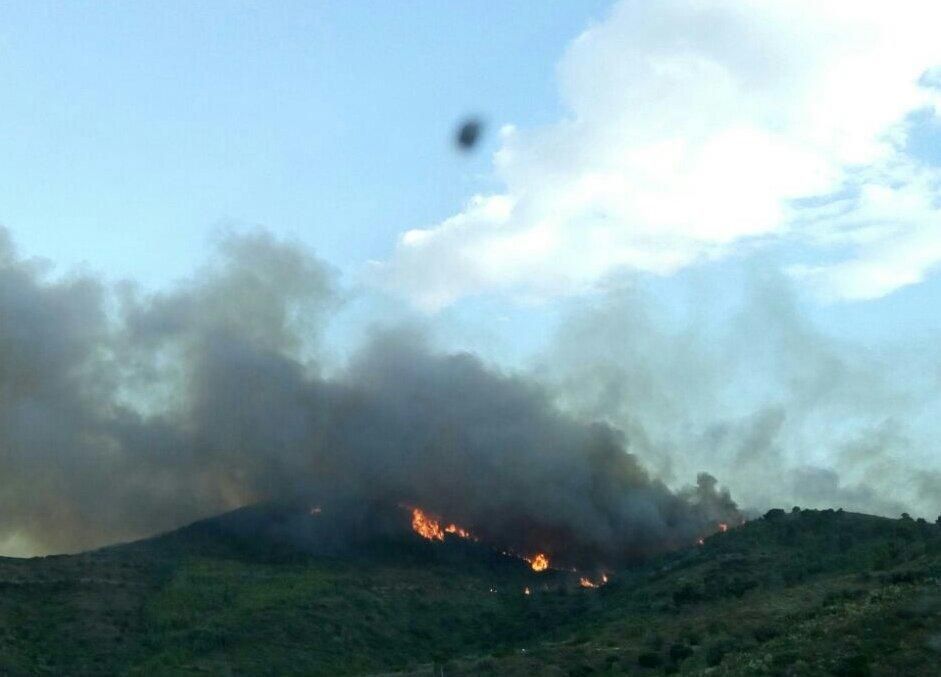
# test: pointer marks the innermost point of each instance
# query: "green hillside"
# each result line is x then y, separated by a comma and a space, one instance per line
801, 593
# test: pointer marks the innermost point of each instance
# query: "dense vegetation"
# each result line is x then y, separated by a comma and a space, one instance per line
798, 593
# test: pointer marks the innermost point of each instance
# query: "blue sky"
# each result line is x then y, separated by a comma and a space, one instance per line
130, 131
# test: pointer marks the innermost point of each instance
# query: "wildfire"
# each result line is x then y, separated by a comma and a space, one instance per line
539, 562
454, 529
425, 526
586, 582
722, 528
428, 527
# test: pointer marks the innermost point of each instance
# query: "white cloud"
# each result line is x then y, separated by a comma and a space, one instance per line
693, 126
894, 229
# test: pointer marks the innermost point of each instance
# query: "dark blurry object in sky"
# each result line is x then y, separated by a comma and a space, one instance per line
468, 134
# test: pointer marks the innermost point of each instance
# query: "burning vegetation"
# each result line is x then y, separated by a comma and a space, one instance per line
720, 528
425, 526
539, 563
430, 528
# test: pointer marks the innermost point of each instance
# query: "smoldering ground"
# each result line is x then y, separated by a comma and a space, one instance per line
123, 414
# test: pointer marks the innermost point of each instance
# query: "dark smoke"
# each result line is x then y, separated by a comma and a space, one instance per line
123, 414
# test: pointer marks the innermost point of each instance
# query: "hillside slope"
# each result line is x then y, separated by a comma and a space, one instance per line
802, 593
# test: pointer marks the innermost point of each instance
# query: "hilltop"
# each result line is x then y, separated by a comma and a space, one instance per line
797, 593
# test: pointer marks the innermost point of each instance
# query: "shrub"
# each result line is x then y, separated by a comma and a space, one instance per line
679, 651
765, 633
686, 593
649, 659
844, 541
853, 666
654, 641
715, 653
691, 636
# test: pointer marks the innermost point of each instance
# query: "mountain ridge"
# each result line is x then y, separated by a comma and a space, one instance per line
804, 592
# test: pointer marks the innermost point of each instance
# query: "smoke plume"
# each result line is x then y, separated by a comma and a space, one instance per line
753, 390
123, 414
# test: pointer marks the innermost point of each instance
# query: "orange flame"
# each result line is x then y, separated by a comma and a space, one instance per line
457, 531
428, 527
425, 526
539, 562
586, 582
723, 527
526, 591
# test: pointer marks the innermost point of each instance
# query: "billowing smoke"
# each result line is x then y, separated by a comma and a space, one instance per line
737, 379
123, 414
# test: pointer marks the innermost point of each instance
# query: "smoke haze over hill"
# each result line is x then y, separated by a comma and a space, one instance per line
124, 414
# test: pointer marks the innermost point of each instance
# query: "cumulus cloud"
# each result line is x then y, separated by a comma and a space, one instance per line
695, 128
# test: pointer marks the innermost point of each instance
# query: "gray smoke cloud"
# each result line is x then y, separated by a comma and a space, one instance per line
754, 392
123, 414
107, 427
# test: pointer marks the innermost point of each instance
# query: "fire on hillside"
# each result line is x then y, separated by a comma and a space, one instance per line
430, 527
